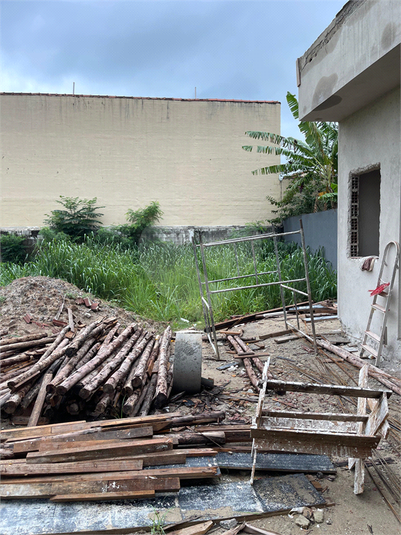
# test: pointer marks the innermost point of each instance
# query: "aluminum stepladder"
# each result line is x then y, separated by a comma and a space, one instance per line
383, 306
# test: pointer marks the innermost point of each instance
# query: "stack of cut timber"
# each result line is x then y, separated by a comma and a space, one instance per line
112, 459
101, 369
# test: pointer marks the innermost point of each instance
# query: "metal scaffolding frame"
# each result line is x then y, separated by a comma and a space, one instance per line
205, 283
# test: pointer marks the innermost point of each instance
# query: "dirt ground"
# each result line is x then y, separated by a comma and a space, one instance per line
368, 513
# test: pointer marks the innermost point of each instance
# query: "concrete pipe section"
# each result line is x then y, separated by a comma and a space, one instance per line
187, 362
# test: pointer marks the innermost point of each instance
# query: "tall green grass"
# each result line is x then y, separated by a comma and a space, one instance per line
159, 281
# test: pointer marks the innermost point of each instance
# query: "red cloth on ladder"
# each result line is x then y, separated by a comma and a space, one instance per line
379, 289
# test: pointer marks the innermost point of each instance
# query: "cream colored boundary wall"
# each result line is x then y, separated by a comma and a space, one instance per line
127, 152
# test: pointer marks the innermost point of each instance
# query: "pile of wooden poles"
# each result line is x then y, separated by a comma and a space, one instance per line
93, 372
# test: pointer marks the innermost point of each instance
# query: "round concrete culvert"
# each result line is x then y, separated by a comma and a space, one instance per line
187, 371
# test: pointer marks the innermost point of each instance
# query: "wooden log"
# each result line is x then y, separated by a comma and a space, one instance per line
37, 408
107, 370
161, 397
235, 345
56, 343
120, 374
147, 402
4, 398
88, 379
138, 378
26, 338
18, 370
14, 360
391, 382
126, 448
131, 402
141, 398
15, 400
104, 352
242, 344
103, 403
128, 389
39, 367
153, 356
251, 373
73, 362
27, 345
81, 337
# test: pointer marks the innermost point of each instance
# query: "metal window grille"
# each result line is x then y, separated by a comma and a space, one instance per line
354, 231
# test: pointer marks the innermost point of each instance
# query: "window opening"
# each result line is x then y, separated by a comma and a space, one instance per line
365, 214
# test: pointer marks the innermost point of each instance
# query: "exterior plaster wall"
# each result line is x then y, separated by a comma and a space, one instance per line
355, 60
127, 152
370, 136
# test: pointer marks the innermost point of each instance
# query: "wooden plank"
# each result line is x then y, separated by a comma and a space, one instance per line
104, 496
198, 529
275, 334
183, 472
68, 427
287, 338
49, 489
43, 443
88, 452
359, 478
331, 390
299, 424
24, 469
291, 441
332, 416
42, 430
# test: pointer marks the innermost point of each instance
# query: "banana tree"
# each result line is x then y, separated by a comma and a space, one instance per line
310, 169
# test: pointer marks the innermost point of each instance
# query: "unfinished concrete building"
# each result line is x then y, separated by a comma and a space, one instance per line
351, 74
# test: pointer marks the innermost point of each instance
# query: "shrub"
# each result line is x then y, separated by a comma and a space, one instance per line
139, 220
12, 248
79, 217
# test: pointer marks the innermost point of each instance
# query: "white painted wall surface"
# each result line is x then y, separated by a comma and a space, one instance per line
370, 136
127, 152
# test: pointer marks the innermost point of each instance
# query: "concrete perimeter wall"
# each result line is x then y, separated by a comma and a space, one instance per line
128, 151
320, 230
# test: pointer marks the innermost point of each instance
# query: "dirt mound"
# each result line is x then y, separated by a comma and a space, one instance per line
40, 299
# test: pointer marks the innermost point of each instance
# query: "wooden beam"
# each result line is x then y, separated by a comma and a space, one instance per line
182, 472
89, 452
342, 445
104, 496
331, 390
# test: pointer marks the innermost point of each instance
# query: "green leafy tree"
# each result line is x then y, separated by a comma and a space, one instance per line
78, 218
311, 166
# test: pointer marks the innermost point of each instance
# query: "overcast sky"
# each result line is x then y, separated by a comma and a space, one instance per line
227, 49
